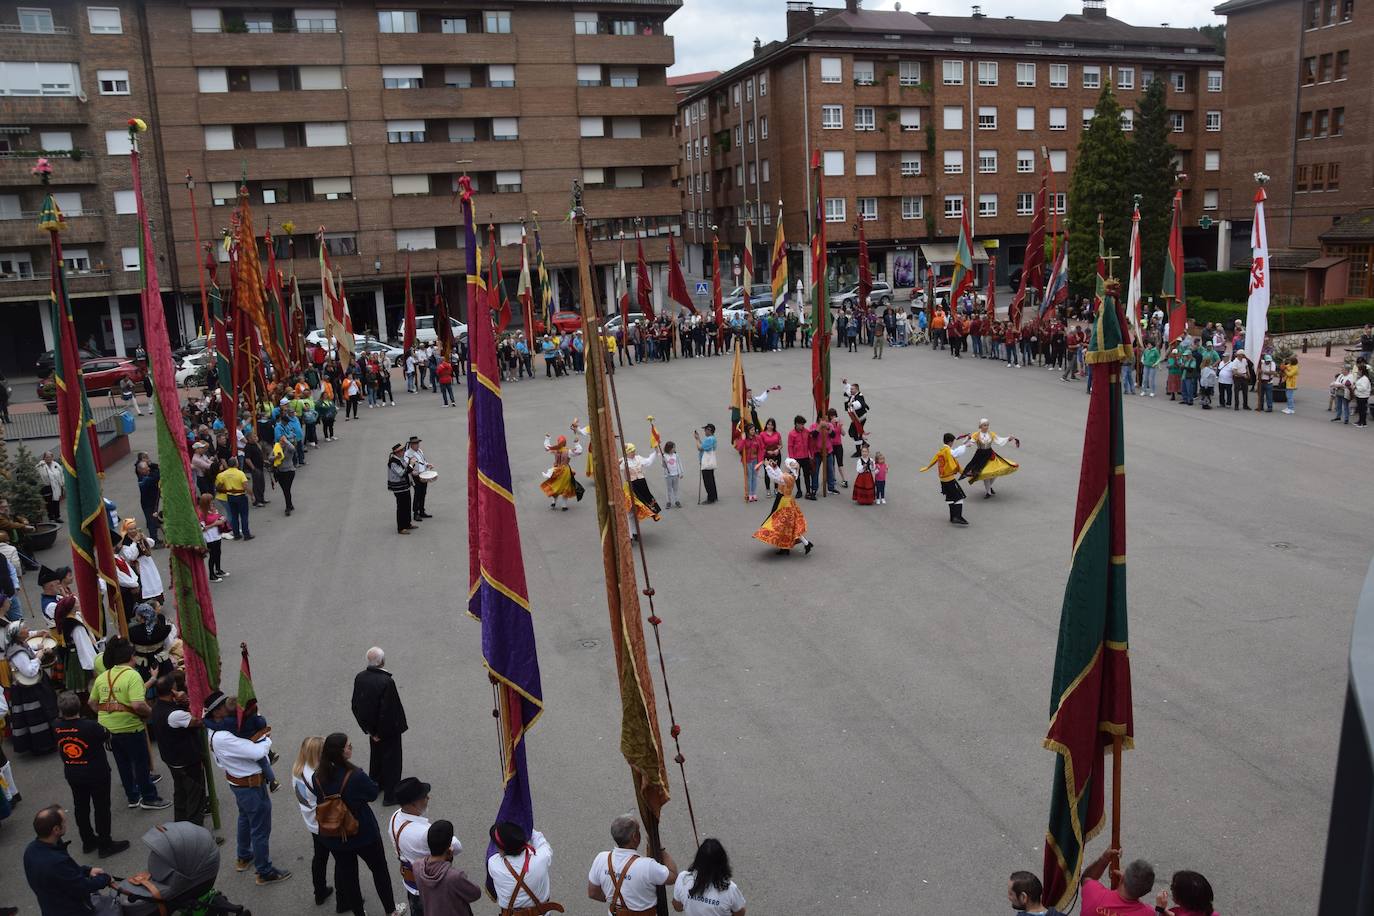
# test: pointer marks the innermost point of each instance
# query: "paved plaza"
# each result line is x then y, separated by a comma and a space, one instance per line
862, 725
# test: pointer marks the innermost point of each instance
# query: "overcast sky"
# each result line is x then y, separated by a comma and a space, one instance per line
718, 34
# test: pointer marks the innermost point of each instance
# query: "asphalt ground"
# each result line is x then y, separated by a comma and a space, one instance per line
862, 726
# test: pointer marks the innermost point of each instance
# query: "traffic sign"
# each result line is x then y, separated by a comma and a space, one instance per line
1205, 222
703, 287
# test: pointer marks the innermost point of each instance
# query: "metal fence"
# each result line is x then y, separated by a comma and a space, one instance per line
1348, 879
43, 425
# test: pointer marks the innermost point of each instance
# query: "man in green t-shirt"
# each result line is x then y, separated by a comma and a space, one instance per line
118, 697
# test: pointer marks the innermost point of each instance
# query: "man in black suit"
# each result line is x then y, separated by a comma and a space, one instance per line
378, 710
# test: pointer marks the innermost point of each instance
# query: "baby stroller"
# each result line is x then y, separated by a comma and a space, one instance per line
183, 863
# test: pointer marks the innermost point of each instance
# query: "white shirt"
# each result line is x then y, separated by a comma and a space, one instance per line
238, 757
85, 648
536, 877
412, 845
415, 457
712, 902
305, 797
637, 892
635, 465
672, 465
148, 575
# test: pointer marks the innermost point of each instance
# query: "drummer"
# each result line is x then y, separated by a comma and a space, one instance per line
33, 702
423, 473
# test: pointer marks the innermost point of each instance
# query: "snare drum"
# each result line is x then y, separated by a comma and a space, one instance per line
41, 643
428, 477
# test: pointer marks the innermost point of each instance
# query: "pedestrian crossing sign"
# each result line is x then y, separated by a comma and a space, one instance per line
702, 287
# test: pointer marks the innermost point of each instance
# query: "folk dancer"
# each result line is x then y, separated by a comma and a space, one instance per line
865, 490
559, 481
948, 460
857, 406
785, 526
415, 457
637, 494
398, 481
987, 464
519, 871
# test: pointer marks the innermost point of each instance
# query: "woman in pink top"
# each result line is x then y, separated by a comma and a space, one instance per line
799, 449
750, 447
1192, 895
836, 450
772, 447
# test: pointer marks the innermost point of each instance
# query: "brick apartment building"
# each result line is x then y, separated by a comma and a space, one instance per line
919, 118
356, 119
1298, 109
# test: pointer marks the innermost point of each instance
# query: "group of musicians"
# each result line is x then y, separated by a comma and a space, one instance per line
407, 470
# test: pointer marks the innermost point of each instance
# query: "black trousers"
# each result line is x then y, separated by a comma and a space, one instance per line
351, 408
403, 515
259, 485
346, 877
418, 501
213, 551
708, 480
54, 505
328, 423
284, 480
319, 866
188, 794
384, 764
88, 797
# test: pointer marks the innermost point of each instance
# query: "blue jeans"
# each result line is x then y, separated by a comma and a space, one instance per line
1189, 391
1268, 395
238, 514
371, 396
830, 469
447, 389
751, 471
1290, 393
1342, 409
1127, 378
255, 826
1147, 378
134, 765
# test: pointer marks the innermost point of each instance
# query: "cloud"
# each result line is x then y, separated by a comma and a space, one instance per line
719, 34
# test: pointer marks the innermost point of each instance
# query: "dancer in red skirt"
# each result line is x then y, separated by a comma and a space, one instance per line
864, 490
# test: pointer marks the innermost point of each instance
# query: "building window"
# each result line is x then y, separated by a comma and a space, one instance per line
315, 20
509, 128
754, 172
16, 264
1058, 203
735, 94
313, 78
987, 162
1342, 66
987, 118
1025, 204
76, 260
1211, 199
909, 73
501, 76
954, 72
910, 119
1214, 120
691, 219
1214, 78
767, 172
36, 20
1059, 160
509, 182
587, 75
1128, 119
1025, 74
113, 82
104, 20
832, 70
1300, 178
864, 118
585, 23
223, 193
863, 73
913, 208
326, 133
1211, 161
1092, 77
1305, 126
865, 163
409, 185
496, 22
405, 131
455, 26
953, 117
1177, 121
763, 128
1324, 68
737, 135
987, 73
954, 206
117, 142
832, 161
1025, 119
1179, 80
834, 210
1337, 122
1088, 114
1318, 176
832, 117
130, 259
623, 77
1312, 14
1347, 10
125, 202
1059, 119
593, 178
954, 162
1323, 124
868, 208
593, 126
1059, 76
396, 21
911, 164
1309, 71
415, 240
403, 77
987, 204
749, 132
1025, 161
763, 84
1125, 77
1333, 176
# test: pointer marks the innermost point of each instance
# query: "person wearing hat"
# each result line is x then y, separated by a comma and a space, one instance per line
409, 830
33, 704
52, 585
77, 646
559, 481
202, 466
415, 457
240, 759
637, 493
398, 480
518, 870
137, 548
706, 456
785, 526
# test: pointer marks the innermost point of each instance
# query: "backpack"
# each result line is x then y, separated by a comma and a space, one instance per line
332, 813
311, 416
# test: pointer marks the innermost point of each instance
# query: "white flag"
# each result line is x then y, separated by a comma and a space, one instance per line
1257, 314
1133, 290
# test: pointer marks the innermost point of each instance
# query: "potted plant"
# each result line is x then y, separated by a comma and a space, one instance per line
26, 500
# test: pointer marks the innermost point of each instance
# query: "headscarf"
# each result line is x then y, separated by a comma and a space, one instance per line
12, 633
145, 613
792, 467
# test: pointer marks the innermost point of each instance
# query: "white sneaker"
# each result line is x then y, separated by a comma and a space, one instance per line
1286, 410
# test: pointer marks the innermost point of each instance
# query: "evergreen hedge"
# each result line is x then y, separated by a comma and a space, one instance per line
1218, 285
1288, 320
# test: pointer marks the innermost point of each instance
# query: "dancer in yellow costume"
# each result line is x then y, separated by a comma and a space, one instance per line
985, 465
785, 526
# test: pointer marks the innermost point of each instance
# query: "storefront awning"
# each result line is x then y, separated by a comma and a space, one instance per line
943, 252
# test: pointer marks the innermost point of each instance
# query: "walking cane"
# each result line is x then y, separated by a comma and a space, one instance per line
698, 481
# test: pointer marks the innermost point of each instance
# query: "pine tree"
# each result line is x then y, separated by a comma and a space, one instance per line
26, 498
1152, 177
1100, 185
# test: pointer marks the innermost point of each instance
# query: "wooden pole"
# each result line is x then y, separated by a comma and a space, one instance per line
200, 264
1116, 809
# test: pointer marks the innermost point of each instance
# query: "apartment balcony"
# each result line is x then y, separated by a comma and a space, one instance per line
294, 162
609, 203
605, 152
477, 156
899, 185
428, 47
272, 107
78, 284
625, 50
24, 233
16, 169
234, 49
626, 102
424, 211
31, 110
333, 215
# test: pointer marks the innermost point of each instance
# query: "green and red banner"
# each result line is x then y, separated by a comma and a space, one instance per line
1090, 700
1173, 274
820, 298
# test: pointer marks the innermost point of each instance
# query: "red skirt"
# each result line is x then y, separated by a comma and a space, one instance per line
863, 488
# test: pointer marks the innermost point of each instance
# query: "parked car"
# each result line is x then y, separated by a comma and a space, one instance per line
1195, 265
879, 297
45, 361
980, 299
101, 374
192, 346
612, 324
194, 369
758, 292
565, 322
368, 346
1014, 277
424, 329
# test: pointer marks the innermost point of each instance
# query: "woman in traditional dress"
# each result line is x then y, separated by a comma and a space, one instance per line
33, 703
785, 526
985, 463
78, 647
559, 482
152, 636
637, 494
864, 489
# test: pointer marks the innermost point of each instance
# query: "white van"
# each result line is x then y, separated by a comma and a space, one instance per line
424, 329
